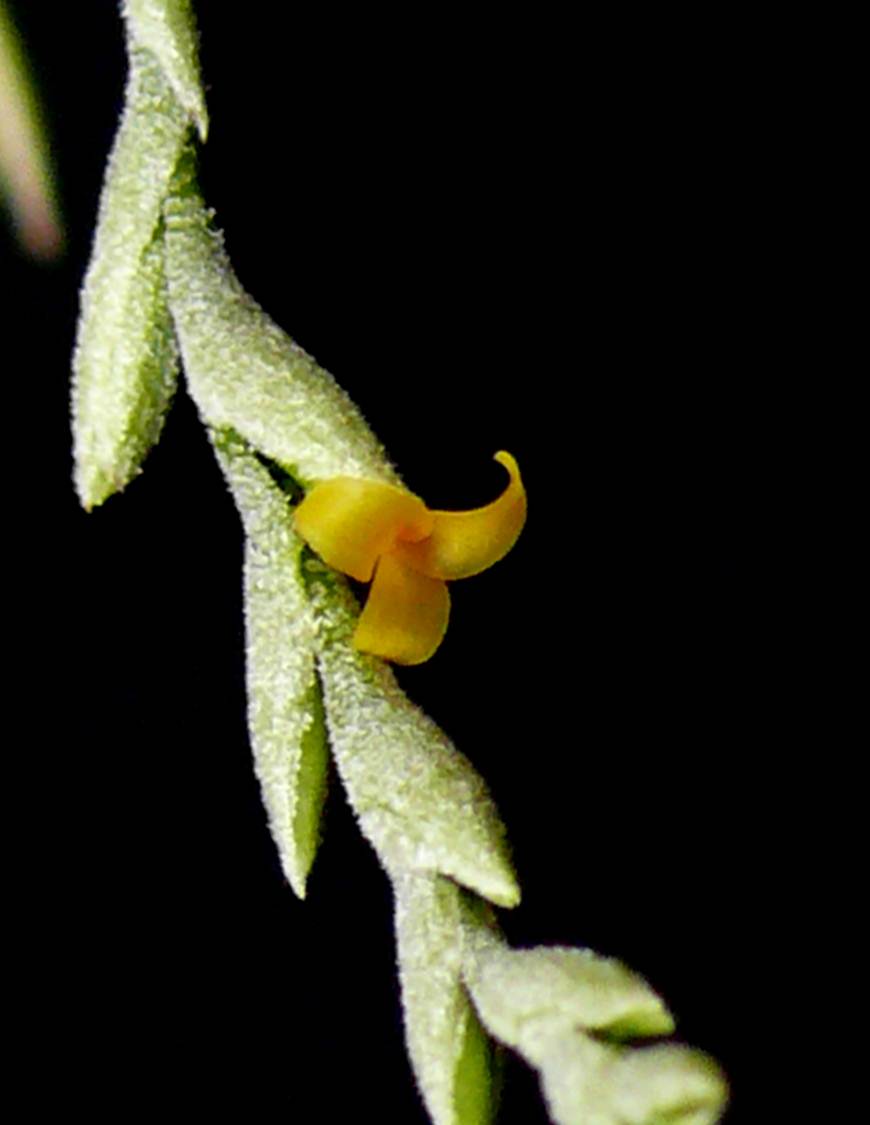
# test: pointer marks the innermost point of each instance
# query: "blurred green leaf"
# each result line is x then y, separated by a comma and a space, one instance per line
26, 175
590, 1083
550, 990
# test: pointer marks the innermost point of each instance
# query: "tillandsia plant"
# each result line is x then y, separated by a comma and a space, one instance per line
319, 500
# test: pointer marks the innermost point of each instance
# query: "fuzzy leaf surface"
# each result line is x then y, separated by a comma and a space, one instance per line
528, 993
419, 801
167, 29
285, 715
565, 1011
449, 1050
125, 362
591, 1083
244, 372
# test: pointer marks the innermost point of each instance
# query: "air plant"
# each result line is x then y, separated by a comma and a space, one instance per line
319, 499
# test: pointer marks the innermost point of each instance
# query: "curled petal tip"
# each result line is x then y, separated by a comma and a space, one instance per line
462, 544
509, 462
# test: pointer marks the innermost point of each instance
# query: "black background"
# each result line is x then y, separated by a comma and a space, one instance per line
496, 233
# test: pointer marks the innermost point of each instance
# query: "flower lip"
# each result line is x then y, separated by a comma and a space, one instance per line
406, 614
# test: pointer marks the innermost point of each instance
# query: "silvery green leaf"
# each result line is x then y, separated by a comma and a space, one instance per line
526, 995
591, 1083
419, 801
125, 362
565, 1011
167, 28
285, 714
449, 1051
244, 372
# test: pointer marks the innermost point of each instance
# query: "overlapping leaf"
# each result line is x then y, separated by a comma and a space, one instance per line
449, 1050
592, 1083
579, 989
167, 29
125, 363
285, 716
243, 371
419, 801
566, 1011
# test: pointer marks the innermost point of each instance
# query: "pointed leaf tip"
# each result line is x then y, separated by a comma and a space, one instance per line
167, 28
285, 711
125, 363
419, 801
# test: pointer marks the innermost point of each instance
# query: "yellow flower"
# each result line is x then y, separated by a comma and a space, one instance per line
387, 536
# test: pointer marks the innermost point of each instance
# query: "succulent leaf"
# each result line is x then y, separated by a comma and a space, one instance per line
285, 713
450, 1053
125, 362
419, 801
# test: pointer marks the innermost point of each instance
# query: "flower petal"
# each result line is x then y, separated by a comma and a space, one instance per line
465, 543
351, 522
406, 614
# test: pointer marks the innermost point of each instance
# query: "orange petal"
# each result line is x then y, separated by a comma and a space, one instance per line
405, 617
350, 523
465, 543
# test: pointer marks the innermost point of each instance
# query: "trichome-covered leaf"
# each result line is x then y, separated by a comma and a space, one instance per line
590, 1083
243, 371
567, 1012
419, 801
285, 715
525, 993
167, 28
451, 1054
125, 362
